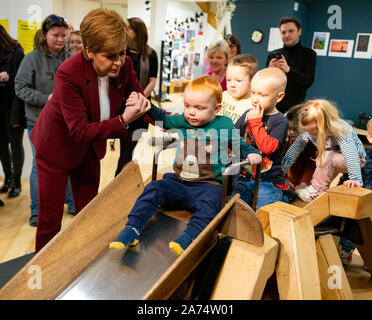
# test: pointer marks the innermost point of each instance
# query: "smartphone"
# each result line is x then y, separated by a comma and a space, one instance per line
277, 55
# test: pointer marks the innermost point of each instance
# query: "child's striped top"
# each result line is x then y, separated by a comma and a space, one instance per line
349, 144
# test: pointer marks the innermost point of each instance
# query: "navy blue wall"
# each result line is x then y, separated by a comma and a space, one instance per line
345, 81
257, 14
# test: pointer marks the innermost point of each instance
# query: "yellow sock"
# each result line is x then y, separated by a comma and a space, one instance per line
134, 243
119, 245
175, 248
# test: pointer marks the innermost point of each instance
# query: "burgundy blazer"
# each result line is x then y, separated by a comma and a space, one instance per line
70, 121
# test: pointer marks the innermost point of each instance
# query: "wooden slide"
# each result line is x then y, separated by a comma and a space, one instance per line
301, 261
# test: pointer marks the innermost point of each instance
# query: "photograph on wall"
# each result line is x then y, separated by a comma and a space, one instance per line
320, 43
363, 47
341, 48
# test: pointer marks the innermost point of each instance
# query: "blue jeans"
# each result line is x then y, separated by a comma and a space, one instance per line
347, 245
172, 193
267, 192
33, 184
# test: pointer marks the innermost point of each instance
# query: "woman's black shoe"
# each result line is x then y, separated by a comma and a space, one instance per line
6, 186
14, 192
1, 203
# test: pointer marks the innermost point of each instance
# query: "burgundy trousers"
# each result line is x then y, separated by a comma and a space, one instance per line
52, 181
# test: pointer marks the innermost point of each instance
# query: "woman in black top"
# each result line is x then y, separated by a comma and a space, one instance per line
145, 63
12, 119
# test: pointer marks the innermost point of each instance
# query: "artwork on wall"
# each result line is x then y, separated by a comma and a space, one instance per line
341, 48
275, 40
185, 33
363, 46
320, 43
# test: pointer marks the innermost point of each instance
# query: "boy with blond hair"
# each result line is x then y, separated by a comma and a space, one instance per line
265, 128
202, 154
239, 74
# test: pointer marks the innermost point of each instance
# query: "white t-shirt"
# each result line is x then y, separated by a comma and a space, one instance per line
233, 108
104, 99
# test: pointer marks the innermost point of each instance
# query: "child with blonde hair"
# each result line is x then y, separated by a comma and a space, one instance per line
265, 128
239, 73
339, 148
201, 156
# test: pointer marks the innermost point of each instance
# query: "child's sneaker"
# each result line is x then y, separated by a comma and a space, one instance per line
346, 257
308, 193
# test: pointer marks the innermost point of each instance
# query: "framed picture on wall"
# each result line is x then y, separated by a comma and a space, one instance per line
363, 47
320, 43
341, 48
275, 40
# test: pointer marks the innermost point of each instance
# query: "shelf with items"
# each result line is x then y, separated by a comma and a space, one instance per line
165, 71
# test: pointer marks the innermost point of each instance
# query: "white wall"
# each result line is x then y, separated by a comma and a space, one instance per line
121, 9
137, 8
75, 10
25, 10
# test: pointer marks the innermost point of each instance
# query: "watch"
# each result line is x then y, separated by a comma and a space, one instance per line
257, 36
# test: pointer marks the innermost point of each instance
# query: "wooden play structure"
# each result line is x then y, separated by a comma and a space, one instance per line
277, 238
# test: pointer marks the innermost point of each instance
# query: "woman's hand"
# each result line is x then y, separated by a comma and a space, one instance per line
4, 76
351, 183
136, 106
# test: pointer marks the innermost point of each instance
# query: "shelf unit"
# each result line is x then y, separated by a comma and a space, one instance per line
165, 71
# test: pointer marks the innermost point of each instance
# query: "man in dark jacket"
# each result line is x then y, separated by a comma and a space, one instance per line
296, 61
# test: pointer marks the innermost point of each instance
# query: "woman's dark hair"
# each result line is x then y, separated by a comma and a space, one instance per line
7, 43
139, 27
48, 23
234, 40
38, 39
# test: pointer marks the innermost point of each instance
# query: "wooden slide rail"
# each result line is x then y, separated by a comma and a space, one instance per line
249, 263
301, 255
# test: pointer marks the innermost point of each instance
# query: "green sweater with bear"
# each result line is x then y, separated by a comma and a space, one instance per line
202, 152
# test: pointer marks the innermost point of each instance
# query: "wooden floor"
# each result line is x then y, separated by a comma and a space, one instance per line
18, 238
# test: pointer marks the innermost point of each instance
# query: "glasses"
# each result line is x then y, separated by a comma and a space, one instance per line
228, 36
55, 19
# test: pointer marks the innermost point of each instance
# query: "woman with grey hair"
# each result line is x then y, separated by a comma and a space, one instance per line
218, 56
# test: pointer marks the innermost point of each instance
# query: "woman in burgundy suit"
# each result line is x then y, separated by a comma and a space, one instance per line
71, 131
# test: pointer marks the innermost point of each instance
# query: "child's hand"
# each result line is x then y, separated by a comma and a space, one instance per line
136, 106
351, 183
288, 183
301, 185
255, 112
132, 100
254, 158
